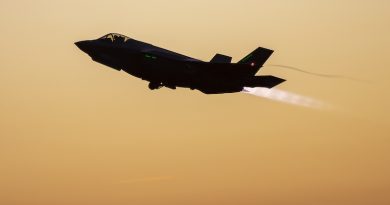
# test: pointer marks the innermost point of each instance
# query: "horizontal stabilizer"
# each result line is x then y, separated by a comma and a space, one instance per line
266, 81
219, 58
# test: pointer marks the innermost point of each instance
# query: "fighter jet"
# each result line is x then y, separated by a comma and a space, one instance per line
164, 68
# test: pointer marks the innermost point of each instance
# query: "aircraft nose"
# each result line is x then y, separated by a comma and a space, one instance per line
83, 45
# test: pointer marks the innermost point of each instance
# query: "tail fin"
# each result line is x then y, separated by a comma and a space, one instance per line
257, 58
219, 58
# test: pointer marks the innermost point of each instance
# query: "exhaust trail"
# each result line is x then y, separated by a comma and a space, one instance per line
286, 97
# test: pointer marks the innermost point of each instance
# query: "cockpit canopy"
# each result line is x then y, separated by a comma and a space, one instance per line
115, 38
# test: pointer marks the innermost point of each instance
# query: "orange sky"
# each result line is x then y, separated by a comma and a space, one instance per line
74, 132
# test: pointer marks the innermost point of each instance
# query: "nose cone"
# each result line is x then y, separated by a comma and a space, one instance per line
83, 45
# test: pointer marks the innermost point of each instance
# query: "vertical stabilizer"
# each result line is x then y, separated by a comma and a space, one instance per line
258, 57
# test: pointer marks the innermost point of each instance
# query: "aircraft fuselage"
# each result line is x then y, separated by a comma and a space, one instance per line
162, 67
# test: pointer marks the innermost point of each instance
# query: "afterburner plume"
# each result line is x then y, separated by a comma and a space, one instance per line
285, 97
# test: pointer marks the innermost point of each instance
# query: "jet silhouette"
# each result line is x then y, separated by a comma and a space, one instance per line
164, 68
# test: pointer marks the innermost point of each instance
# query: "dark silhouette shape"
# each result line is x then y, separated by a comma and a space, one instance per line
219, 58
162, 67
119, 39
